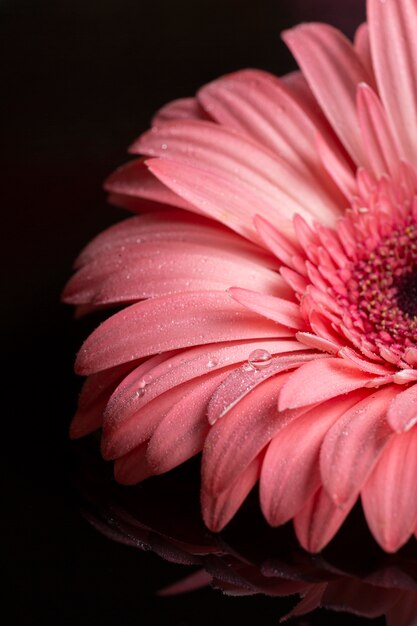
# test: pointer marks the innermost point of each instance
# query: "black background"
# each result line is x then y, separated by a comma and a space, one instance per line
81, 80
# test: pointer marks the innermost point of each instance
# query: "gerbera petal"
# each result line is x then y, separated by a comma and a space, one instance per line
259, 105
379, 141
181, 109
168, 323
182, 432
240, 435
172, 226
404, 612
402, 411
352, 446
218, 510
219, 150
389, 496
321, 380
290, 471
394, 56
241, 381
93, 399
135, 271
164, 373
275, 309
135, 179
133, 467
362, 47
219, 197
319, 520
333, 71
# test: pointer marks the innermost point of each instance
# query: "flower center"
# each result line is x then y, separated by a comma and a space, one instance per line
382, 291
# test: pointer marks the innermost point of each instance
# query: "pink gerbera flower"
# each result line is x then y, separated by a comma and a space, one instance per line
271, 279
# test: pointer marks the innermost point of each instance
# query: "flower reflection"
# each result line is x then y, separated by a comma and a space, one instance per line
250, 557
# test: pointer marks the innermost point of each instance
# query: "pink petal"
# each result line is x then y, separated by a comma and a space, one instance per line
181, 109
171, 322
165, 372
133, 467
275, 309
333, 71
319, 520
378, 138
394, 55
135, 271
362, 47
283, 245
94, 396
241, 381
310, 602
337, 167
172, 226
321, 380
120, 438
236, 439
389, 497
259, 105
352, 447
219, 197
290, 471
234, 157
402, 411
218, 510
182, 432
134, 179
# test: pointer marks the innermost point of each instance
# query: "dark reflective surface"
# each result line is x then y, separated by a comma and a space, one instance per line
249, 557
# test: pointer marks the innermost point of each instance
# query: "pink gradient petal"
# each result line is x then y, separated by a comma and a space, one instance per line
259, 105
218, 510
273, 308
93, 399
241, 381
235, 440
172, 226
219, 197
290, 472
362, 47
196, 580
319, 520
389, 496
181, 109
402, 411
171, 322
134, 179
321, 380
232, 156
352, 446
121, 438
182, 432
333, 71
133, 467
337, 167
165, 372
378, 138
394, 56
135, 271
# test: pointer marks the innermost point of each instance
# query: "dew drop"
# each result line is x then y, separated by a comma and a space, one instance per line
212, 362
259, 359
164, 146
145, 380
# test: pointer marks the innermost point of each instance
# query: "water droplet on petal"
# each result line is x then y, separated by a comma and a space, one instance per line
260, 359
212, 362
